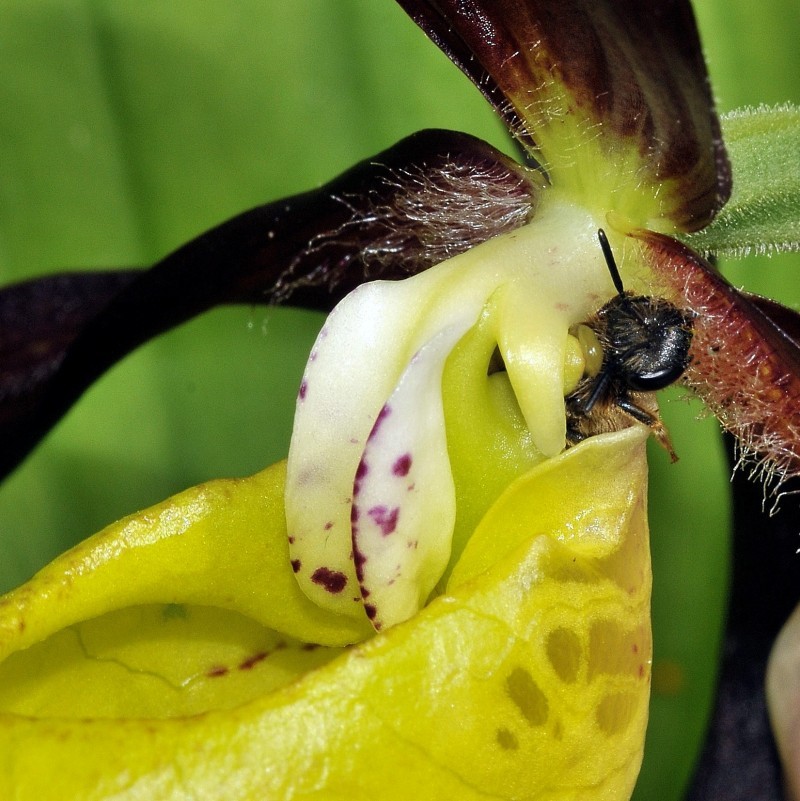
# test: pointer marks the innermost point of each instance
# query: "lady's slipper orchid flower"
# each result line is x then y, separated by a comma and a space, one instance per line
537, 640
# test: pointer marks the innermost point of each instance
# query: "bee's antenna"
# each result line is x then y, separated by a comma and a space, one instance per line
610, 261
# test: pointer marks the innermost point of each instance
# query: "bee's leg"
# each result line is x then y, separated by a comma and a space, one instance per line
579, 421
650, 417
599, 388
574, 434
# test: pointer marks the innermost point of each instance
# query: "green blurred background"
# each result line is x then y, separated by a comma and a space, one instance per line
130, 126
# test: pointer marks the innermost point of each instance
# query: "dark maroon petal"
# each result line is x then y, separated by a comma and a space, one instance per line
629, 73
745, 358
431, 196
40, 319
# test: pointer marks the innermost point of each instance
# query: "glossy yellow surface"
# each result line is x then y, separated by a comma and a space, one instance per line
170, 656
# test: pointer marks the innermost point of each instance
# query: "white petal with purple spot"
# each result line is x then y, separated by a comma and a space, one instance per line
356, 362
403, 499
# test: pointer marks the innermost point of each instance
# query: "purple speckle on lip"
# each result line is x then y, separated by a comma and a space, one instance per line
252, 661
303, 389
332, 580
329, 525
359, 560
385, 519
402, 465
371, 611
296, 565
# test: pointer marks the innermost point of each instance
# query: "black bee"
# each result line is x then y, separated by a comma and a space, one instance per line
634, 345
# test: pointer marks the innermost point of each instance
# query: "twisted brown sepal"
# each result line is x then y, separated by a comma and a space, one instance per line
745, 358
577, 80
432, 195
39, 321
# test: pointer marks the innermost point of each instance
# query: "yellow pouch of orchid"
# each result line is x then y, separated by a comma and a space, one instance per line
172, 655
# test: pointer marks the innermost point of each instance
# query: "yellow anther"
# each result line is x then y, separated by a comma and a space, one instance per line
574, 364
592, 350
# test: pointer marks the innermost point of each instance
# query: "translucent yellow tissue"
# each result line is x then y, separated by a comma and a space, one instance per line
173, 656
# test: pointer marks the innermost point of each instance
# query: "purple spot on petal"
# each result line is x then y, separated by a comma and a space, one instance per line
354, 514
385, 519
296, 565
382, 415
361, 471
217, 671
371, 611
291, 540
359, 560
332, 580
402, 465
303, 389
329, 525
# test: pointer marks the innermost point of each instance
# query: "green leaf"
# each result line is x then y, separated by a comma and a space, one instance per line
763, 214
754, 59
690, 552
